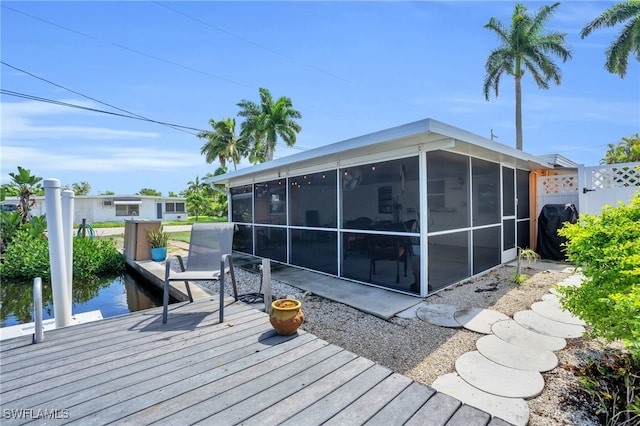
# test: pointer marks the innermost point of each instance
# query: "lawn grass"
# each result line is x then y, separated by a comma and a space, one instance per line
189, 221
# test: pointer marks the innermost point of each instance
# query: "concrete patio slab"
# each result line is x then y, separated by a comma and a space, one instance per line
411, 313
518, 357
497, 379
535, 322
478, 319
553, 311
437, 314
512, 332
512, 410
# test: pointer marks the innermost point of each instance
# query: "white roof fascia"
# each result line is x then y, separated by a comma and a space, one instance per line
424, 131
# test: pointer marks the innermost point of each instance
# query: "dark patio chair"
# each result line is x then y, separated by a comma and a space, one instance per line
209, 250
387, 247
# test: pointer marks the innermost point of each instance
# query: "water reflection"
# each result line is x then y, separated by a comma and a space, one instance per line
112, 296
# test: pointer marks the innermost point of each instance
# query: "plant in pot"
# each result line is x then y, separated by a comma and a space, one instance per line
158, 243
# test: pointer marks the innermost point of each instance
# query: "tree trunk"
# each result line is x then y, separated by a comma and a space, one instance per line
518, 112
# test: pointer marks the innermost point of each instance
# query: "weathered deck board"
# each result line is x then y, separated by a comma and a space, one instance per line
133, 370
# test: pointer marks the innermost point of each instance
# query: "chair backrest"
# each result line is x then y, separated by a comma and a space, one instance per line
209, 241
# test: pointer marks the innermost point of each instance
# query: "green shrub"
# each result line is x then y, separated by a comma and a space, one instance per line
27, 257
607, 247
613, 383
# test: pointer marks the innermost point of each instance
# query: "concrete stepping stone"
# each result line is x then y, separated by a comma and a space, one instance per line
518, 357
497, 379
535, 322
556, 313
553, 298
437, 314
411, 312
572, 281
512, 332
512, 410
478, 319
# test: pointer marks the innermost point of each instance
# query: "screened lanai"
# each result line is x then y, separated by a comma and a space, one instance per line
414, 208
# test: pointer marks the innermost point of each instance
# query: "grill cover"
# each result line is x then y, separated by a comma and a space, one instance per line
552, 217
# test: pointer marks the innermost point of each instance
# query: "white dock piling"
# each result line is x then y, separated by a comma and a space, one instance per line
67, 231
57, 253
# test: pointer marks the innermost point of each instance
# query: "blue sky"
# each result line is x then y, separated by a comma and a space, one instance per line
350, 69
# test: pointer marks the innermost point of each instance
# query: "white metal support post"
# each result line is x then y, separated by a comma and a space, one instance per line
67, 232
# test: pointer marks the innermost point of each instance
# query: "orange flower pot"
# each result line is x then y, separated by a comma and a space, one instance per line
286, 316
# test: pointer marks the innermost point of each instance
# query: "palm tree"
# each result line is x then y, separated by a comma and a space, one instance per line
222, 143
26, 185
525, 47
628, 40
265, 122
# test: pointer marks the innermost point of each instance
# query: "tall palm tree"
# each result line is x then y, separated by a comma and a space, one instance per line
265, 122
525, 47
628, 40
222, 143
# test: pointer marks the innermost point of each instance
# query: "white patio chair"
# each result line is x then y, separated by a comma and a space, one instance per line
209, 250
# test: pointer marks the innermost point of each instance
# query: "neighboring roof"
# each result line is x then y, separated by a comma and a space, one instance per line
558, 160
419, 133
133, 198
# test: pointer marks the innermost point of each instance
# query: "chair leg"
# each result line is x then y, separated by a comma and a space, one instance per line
165, 301
165, 292
186, 284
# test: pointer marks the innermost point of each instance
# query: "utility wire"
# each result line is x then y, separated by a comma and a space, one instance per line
157, 58
88, 97
70, 105
246, 40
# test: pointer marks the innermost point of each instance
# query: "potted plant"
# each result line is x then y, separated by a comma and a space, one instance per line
158, 243
286, 316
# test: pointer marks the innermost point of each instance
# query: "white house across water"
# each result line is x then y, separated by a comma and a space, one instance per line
414, 208
115, 208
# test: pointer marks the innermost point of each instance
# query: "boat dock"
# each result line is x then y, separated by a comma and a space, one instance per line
133, 370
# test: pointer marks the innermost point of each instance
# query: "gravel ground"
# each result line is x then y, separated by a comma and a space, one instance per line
423, 352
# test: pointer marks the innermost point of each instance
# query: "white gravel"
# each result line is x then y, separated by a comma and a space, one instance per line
423, 352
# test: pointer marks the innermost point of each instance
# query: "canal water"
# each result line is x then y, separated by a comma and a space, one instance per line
112, 296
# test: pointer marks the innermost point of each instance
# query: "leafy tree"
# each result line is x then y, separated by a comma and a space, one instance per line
26, 187
625, 151
81, 188
606, 247
223, 144
107, 193
173, 194
265, 122
525, 47
628, 41
198, 197
149, 191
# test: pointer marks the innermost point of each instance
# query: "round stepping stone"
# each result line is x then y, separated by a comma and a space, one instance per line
411, 312
512, 410
441, 315
512, 332
518, 357
477, 319
572, 281
551, 298
497, 379
539, 324
556, 313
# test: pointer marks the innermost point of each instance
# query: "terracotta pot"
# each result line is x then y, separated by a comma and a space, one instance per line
286, 316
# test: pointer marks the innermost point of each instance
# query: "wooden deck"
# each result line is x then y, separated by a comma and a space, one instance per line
132, 370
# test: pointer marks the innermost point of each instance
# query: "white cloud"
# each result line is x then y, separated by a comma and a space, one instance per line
18, 123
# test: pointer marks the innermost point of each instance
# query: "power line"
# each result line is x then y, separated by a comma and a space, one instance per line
70, 105
157, 58
85, 96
